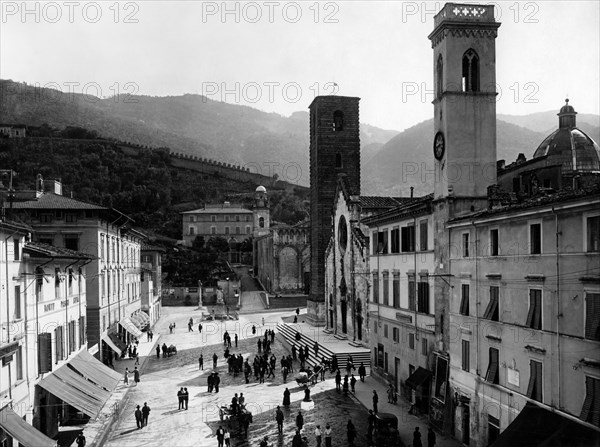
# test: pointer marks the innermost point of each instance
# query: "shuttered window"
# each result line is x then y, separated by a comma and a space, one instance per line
465, 355
423, 304
45, 352
81, 331
59, 346
491, 311
534, 317
423, 235
396, 291
592, 316
411, 295
464, 300
411, 341
492, 371
593, 234
375, 288
408, 239
590, 412
535, 387
386, 289
395, 240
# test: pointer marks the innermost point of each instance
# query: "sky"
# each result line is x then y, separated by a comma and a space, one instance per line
277, 56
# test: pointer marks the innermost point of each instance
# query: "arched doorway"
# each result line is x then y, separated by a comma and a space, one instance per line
344, 308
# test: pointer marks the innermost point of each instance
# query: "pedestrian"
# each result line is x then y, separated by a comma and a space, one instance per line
390, 393
263, 321
316, 349
295, 319
241, 400
180, 399
137, 356
371, 419
362, 372
126, 376
318, 435
351, 433
297, 311
164, 350
235, 337
201, 362
327, 435
136, 375
297, 440
431, 438
299, 421
80, 440
375, 400
199, 328
417, 438
259, 344
227, 437
157, 351
215, 357
253, 330
220, 436
286, 398
217, 381
279, 419
210, 382
138, 417
338, 381
186, 397
353, 383
145, 414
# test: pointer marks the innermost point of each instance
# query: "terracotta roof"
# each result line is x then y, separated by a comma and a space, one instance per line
416, 205
55, 201
46, 250
218, 211
381, 202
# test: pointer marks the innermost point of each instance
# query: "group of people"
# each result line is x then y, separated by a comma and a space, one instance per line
183, 396
136, 376
227, 339
141, 415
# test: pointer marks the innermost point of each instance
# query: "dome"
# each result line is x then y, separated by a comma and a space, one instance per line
261, 189
569, 146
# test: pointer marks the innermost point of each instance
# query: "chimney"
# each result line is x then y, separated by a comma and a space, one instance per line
54, 186
500, 164
521, 158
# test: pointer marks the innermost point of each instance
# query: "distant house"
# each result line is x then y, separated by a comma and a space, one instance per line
13, 130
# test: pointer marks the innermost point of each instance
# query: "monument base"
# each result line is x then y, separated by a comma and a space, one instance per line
315, 313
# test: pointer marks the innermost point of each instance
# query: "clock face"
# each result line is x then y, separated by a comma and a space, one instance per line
439, 146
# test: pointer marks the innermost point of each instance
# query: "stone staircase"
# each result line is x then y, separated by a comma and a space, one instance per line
288, 333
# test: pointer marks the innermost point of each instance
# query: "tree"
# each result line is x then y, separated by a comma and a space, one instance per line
218, 244
198, 243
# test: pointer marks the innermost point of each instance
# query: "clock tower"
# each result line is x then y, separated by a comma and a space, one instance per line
464, 139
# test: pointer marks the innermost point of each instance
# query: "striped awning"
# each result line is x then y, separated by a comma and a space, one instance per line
130, 327
25, 434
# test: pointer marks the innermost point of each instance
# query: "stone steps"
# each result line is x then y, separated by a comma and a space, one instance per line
288, 332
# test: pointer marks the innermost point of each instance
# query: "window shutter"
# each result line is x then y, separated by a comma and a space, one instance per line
537, 317
45, 352
592, 316
531, 312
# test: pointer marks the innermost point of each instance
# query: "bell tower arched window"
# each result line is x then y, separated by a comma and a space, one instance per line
261, 222
338, 120
338, 160
440, 76
470, 71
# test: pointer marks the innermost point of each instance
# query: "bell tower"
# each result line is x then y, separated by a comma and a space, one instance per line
262, 214
464, 139
334, 152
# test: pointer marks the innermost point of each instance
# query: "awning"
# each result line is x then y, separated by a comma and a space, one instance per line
71, 395
91, 368
130, 327
110, 342
420, 376
538, 427
144, 317
135, 319
9, 349
25, 434
71, 377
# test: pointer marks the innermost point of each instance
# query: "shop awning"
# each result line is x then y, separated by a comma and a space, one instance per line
71, 377
25, 434
71, 395
109, 341
135, 319
91, 368
538, 427
130, 327
144, 317
419, 377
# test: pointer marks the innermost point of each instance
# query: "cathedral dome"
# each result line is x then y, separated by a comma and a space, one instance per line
261, 189
569, 146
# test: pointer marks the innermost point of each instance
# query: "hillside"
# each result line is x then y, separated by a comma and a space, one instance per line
143, 184
190, 124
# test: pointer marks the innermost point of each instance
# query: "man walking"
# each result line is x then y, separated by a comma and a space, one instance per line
216, 382
200, 328
126, 376
375, 400
327, 435
186, 397
201, 362
417, 438
431, 438
136, 375
279, 419
362, 372
235, 337
353, 383
220, 436
318, 435
157, 351
215, 357
145, 414
138, 417
80, 440
299, 421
